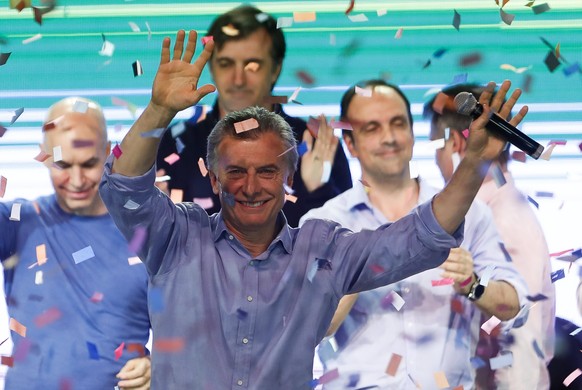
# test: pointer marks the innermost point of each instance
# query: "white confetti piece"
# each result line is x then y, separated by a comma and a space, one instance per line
15, 212
326, 173
133, 260
57, 153
83, 254
32, 39
38, 278
283, 22
358, 18
501, 361
107, 49
134, 27
80, 106
490, 324
397, 300
131, 205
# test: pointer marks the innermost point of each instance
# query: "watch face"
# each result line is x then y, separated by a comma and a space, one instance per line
479, 290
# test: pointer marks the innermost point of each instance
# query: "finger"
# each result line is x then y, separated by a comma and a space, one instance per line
499, 97
190, 46
132, 383
324, 130
485, 96
204, 56
332, 149
165, 58
508, 106
516, 120
179, 45
203, 91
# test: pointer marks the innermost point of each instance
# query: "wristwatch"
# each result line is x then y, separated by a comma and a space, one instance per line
476, 290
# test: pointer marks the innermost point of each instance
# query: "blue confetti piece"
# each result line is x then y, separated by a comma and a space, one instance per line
84, 254
179, 145
302, 148
538, 350
559, 274
544, 194
505, 252
93, 353
156, 299
198, 110
313, 383
353, 380
571, 69
241, 314
537, 297
439, 53
536, 204
460, 78
577, 252
477, 362
155, 133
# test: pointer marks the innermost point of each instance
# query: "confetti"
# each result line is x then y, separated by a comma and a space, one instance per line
329, 376
262, 17
365, 92
393, 364
133, 260
38, 278
119, 351
131, 205
332, 39
202, 167
470, 59
149, 31
168, 345
538, 350
177, 195
506, 17
551, 61
381, 12
15, 212
117, 151
252, 66
7, 361
340, 125
93, 353
17, 327
571, 69
556, 254
518, 155
302, 148
155, 133
230, 30
172, 158
358, 18
80, 143
313, 126
135, 347
397, 300
439, 53
207, 39
498, 176
547, 154
83, 255
477, 362
536, 298
179, 145
441, 380
47, 317
540, 8
505, 252
442, 282
107, 49
572, 377
486, 275
457, 306
80, 106
57, 153
501, 361
515, 69
283, 22
2, 130
290, 198
41, 257
575, 332
460, 78
350, 7
305, 77
436, 144
490, 324
527, 83
205, 203
326, 173
4, 58
134, 27
293, 97
303, 17
96, 297
557, 275
246, 125
32, 39
137, 240
456, 20
137, 69
398, 34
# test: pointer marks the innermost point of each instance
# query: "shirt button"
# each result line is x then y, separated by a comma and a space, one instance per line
249, 298
245, 340
239, 382
251, 262
230, 237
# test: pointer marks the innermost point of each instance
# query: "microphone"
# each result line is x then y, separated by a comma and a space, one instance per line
467, 105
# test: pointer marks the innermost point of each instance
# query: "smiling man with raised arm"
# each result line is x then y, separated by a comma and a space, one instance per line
246, 297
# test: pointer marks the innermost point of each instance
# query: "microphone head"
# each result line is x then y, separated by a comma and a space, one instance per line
465, 103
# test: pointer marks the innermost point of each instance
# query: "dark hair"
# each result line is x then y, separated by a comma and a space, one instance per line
450, 117
245, 19
349, 95
269, 122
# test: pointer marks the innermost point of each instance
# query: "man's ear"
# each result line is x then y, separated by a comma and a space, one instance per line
350, 144
214, 183
459, 142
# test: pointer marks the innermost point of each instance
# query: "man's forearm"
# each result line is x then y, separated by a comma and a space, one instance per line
138, 152
500, 300
453, 202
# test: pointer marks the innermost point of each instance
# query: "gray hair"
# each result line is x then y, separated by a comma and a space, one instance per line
269, 122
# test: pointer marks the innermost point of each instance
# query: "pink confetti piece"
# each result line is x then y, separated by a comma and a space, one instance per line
393, 364
119, 351
205, 203
17, 327
442, 282
202, 167
398, 34
172, 158
290, 198
329, 376
340, 125
96, 297
313, 126
518, 155
557, 142
136, 242
547, 154
135, 347
117, 151
7, 361
490, 324
572, 377
365, 92
466, 133
466, 281
168, 345
376, 268
303, 17
48, 317
207, 39
3, 183
246, 125
556, 254
41, 254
